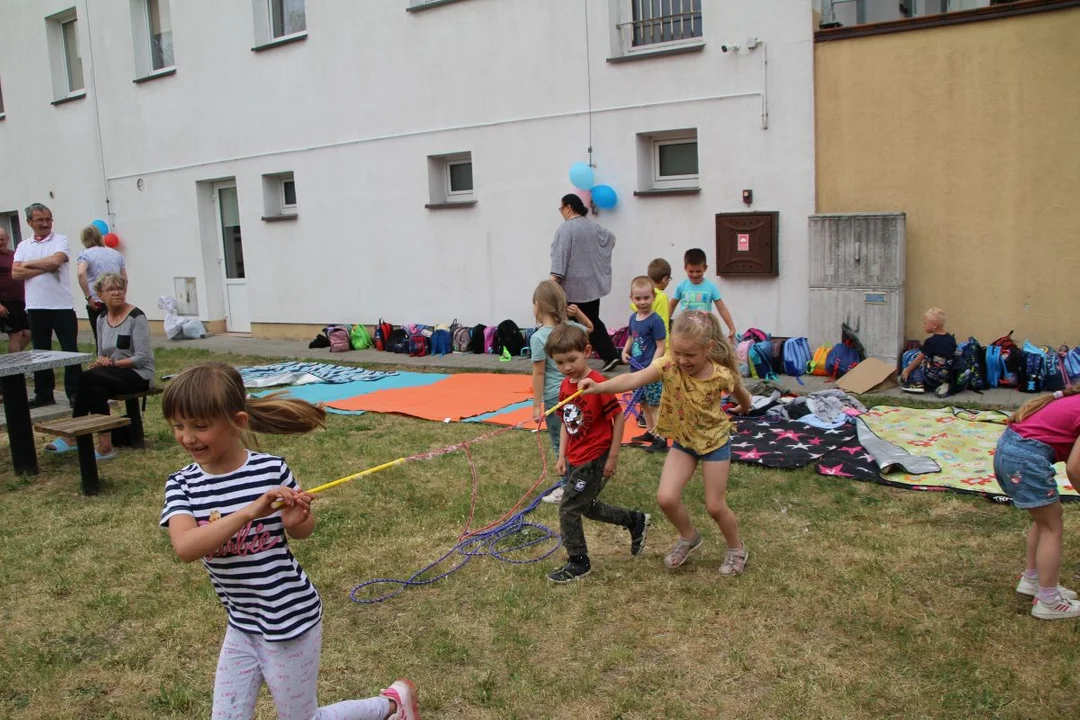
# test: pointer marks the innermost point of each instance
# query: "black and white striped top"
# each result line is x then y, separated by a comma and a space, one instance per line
264, 590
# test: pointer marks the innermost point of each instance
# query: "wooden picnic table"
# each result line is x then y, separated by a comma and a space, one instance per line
13, 368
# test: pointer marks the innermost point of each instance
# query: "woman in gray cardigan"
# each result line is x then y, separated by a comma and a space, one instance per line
125, 362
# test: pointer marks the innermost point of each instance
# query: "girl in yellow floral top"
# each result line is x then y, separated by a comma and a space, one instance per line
701, 368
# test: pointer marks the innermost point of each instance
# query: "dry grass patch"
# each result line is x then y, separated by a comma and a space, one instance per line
859, 600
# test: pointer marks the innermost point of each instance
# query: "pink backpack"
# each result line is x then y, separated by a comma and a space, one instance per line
489, 338
338, 335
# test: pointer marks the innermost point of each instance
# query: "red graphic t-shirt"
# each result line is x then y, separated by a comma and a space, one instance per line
588, 421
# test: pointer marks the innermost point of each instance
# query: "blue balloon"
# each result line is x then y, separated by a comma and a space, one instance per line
102, 226
582, 176
604, 196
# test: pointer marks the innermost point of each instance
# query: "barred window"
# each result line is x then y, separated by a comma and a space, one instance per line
661, 21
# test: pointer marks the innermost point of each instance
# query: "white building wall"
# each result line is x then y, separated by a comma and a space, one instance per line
355, 110
48, 153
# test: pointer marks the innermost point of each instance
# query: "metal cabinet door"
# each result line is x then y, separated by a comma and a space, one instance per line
875, 315
858, 250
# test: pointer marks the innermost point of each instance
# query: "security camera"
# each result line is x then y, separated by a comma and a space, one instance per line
733, 47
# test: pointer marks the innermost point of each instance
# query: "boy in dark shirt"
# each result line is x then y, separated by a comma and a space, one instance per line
591, 434
931, 367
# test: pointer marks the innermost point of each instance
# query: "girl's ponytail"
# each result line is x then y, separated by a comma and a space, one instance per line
1033, 405
212, 391
283, 416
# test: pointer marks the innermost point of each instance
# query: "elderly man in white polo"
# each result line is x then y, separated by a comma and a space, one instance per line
41, 262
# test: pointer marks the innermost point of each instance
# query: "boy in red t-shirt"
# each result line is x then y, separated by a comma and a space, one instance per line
590, 437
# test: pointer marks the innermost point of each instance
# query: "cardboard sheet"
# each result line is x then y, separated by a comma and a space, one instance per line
870, 374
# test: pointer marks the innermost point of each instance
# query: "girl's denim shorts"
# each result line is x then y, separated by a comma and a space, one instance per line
720, 454
1024, 469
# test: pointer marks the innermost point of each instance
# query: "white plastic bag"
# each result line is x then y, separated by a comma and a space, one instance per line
174, 328
193, 329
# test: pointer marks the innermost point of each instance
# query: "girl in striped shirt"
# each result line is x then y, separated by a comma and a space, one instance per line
220, 509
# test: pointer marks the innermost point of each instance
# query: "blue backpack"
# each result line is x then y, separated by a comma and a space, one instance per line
760, 358
441, 341
995, 366
1033, 364
841, 359
1071, 363
796, 357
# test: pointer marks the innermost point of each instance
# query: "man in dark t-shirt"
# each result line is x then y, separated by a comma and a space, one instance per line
13, 320
931, 367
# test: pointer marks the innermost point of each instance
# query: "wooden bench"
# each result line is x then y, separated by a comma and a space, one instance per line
135, 437
83, 429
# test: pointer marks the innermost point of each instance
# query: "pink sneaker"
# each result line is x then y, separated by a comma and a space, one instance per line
403, 693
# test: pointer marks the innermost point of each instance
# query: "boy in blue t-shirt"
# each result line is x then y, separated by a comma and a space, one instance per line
697, 293
644, 343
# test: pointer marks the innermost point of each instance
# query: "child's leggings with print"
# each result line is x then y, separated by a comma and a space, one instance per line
290, 670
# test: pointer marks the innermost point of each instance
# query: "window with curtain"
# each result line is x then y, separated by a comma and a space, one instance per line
159, 26
287, 17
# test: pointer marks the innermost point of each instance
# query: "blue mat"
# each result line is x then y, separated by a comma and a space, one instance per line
327, 392
495, 413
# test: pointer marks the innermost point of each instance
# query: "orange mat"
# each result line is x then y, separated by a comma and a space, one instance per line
630, 429
456, 397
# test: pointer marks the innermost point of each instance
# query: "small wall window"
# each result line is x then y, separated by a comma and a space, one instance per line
288, 194
65, 59
451, 179
459, 178
10, 221
668, 160
676, 161
279, 196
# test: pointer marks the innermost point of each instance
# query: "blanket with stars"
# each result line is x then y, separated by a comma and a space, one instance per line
792, 444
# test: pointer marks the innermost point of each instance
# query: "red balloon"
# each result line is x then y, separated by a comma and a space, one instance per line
112, 240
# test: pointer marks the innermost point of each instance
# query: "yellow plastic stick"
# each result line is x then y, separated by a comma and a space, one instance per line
548, 412
362, 473
392, 463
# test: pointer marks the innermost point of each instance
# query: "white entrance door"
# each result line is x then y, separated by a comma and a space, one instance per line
231, 259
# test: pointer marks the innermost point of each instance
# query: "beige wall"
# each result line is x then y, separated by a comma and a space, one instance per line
974, 131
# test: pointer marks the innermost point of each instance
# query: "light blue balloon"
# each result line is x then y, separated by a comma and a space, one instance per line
582, 176
604, 196
102, 226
